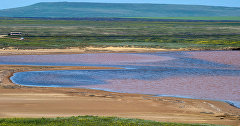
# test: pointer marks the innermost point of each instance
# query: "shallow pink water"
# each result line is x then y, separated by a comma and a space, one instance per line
225, 57
206, 87
101, 58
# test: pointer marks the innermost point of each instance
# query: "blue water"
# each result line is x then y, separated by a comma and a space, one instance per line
144, 73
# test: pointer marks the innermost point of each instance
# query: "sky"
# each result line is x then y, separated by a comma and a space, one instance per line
4, 4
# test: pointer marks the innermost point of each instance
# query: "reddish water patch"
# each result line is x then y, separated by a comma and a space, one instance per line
102, 58
225, 57
205, 87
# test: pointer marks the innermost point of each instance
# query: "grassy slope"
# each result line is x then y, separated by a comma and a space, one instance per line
155, 34
88, 121
223, 18
74, 9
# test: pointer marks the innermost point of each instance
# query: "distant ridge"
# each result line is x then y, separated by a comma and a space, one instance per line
83, 9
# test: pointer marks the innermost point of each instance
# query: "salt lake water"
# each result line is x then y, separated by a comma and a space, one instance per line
176, 74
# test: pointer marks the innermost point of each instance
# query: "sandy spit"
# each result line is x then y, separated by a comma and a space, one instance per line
75, 50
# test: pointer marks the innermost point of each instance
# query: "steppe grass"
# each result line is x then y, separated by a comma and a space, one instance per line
87, 121
56, 33
163, 41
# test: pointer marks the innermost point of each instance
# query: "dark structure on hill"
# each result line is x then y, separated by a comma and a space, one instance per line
15, 33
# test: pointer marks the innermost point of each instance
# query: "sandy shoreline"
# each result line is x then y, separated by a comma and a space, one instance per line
75, 50
20, 101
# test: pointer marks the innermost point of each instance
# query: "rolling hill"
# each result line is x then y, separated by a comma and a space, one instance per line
83, 9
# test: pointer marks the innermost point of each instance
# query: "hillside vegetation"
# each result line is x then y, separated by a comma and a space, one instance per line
81, 9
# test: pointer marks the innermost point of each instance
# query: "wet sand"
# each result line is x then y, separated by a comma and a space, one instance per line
64, 102
20, 101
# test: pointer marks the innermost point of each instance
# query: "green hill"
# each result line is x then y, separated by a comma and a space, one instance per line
82, 9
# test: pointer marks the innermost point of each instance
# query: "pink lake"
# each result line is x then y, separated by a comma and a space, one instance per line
213, 75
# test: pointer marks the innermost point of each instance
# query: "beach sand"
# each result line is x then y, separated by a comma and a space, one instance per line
20, 101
